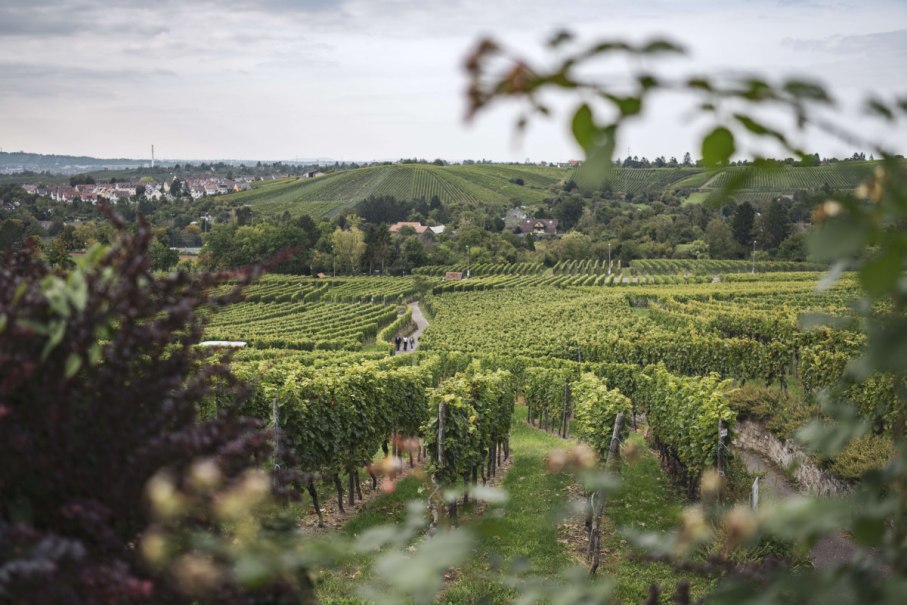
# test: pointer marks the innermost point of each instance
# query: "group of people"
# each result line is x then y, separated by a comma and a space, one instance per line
403, 340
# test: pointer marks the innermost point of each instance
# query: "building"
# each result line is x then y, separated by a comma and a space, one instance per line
419, 228
538, 226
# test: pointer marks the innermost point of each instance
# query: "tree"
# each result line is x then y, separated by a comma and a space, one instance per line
687, 159
243, 215
568, 212
162, 256
349, 246
378, 245
742, 224
12, 233
412, 253
777, 224
81, 179
793, 248
720, 240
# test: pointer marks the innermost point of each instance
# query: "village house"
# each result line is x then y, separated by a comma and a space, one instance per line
419, 228
538, 226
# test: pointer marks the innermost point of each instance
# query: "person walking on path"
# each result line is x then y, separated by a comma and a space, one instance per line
397, 341
404, 344
412, 343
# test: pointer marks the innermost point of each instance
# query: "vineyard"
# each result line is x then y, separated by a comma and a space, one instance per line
661, 266
497, 185
585, 361
476, 184
640, 181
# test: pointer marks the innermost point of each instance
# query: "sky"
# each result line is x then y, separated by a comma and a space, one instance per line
383, 79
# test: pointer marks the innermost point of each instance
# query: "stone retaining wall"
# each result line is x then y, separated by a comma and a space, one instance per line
786, 454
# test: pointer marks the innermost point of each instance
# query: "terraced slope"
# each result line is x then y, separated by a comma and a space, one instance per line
497, 184
456, 185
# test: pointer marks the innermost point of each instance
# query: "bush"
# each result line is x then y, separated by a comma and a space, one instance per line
862, 455
100, 390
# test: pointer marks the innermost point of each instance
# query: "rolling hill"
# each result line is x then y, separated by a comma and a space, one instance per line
481, 184
497, 184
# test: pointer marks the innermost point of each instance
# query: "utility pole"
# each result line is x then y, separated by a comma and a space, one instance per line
334, 261
609, 258
754, 256
467, 261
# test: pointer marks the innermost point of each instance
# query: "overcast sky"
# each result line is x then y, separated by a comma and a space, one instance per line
383, 79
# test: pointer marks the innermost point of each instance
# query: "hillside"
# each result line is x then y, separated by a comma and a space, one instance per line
497, 185
762, 184
483, 184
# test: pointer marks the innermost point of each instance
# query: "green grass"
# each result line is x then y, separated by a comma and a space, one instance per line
697, 197
646, 501
338, 586
526, 529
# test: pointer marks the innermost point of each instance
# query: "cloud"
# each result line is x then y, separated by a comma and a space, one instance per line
882, 44
42, 81
370, 77
68, 18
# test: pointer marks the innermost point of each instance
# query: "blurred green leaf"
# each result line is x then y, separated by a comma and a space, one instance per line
661, 46
73, 363
559, 38
55, 331
627, 106
802, 89
837, 238
699, 84
868, 532
376, 538
717, 147
879, 274
878, 108
252, 570
491, 495
829, 436
583, 127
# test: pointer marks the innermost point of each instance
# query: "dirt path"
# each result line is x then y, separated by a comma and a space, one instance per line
421, 324
828, 552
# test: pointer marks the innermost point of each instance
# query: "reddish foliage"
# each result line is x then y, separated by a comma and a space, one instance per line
77, 452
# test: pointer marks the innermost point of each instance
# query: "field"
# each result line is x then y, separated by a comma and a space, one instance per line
496, 185
456, 185
675, 347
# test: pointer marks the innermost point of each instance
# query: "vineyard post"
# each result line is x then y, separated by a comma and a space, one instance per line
598, 505
435, 512
722, 433
754, 257
615, 441
442, 409
275, 417
565, 423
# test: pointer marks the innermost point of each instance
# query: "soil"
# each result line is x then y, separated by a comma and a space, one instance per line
327, 498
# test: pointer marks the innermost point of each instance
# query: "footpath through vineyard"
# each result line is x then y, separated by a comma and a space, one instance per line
421, 324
